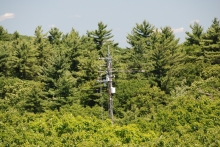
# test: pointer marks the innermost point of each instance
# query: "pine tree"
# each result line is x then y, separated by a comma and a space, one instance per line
16, 35
192, 62
39, 36
139, 59
63, 91
24, 58
5, 53
140, 41
169, 38
195, 37
101, 35
87, 67
163, 56
43, 48
72, 42
4, 36
143, 30
55, 36
34, 100
57, 78
56, 66
211, 43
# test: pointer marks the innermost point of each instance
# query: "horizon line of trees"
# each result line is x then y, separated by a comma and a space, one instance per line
174, 98
60, 64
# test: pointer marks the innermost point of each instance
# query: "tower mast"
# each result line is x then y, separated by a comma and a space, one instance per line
111, 89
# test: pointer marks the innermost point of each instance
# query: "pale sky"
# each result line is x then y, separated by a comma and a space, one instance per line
120, 15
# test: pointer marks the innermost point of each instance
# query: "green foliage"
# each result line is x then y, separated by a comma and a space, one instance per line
87, 59
211, 43
208, 87
16, 35
196, 36
211, 71
164, 57
190, 67
24, 60
21, 94
101, 35
4, 36
167, 94
187, 117
139, 32
185, 121
4, 59
55, 36
49, 130
44, 51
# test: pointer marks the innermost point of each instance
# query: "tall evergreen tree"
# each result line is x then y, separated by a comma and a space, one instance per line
39, 36
101, 35
192, 64
195, 37
57, 65
35, 96
72, 42
5, 53
71, 39
55, 36
143, 30
139, 55
43, 48
140, 41
16, 35
4, 34
163, 56
192, 61
57, 78
24, 58
87, 67
211, 43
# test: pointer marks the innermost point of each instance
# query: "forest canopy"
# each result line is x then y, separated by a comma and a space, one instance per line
167, 93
